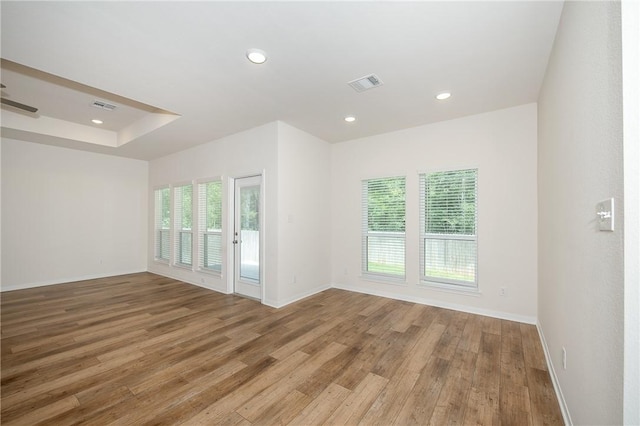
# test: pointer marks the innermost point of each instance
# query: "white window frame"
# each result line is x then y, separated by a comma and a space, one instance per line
202, 226
442, 282
177, 225
367, 234
158, 229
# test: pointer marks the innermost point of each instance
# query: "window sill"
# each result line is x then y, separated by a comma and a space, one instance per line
161, 261
450, 288
384, 280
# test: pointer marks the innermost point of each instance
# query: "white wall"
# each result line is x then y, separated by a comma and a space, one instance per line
579, 164
304, 219
631, 147
296, 187
69, 215
502, 145
251, 152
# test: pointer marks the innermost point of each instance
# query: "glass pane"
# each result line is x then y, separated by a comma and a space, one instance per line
187, 206
163, 244
451, 202
165, 212
450, 259
385, 254
386, 205
212, 252
184, 249
250, 233
214, 206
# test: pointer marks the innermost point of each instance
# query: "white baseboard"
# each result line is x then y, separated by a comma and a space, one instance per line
303, 295
440, 304
554, 379
188, 281
272, 303
4, 288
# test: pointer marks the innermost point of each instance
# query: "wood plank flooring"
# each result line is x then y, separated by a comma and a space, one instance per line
145, 349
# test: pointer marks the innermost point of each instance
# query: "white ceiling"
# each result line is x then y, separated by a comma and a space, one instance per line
66, 100
189, 58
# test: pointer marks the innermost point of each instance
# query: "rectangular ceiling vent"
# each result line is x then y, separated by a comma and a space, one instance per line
365, 83
103, 105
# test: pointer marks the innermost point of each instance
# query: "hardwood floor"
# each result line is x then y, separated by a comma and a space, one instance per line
145, 349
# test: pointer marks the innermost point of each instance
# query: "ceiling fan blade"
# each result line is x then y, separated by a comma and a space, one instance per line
18, 105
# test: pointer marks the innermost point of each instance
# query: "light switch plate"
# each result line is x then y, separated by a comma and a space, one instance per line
605, 214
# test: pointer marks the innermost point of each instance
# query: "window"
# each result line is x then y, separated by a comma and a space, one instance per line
448, 243
210, 223
162, 224
383, 227
183, 238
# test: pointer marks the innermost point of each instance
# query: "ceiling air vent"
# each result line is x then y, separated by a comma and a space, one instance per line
365, 83
103, 105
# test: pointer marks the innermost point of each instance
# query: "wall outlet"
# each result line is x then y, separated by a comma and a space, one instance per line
293, 279
564, 358
346, 271
503, 291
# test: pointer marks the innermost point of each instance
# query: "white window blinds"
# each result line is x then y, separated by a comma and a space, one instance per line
183, 225
162, 224
210, 226
383, 227
448, 243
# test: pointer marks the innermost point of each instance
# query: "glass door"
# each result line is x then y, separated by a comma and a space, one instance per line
247, 236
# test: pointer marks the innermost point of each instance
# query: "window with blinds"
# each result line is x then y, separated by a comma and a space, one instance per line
183, 225
383, 227
210, 226
448, 240
162, 224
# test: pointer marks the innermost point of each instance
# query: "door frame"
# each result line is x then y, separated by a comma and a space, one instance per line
231, 215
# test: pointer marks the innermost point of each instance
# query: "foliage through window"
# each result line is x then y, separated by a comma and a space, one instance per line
183, 237
250, 209
210, 220
383, 227
448, 243
162, 223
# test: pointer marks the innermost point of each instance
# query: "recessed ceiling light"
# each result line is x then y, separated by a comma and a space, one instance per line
349, 119
256, 56
442, 96
96, 121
